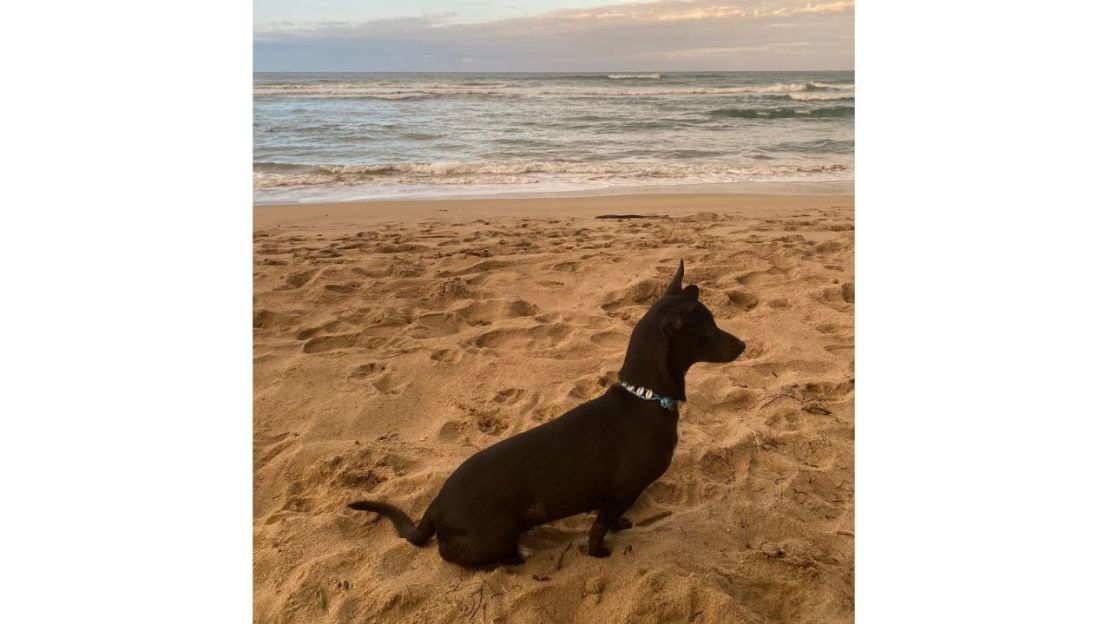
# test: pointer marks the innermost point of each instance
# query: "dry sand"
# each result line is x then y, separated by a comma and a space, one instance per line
394, 339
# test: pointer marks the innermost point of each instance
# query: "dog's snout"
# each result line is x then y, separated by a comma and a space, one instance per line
728, 348
737, 347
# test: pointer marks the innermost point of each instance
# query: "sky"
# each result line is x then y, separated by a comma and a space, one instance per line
552, 35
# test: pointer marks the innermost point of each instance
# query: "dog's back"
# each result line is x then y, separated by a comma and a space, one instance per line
566, 466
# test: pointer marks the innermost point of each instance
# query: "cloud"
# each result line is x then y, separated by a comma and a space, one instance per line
661, 35
676, 10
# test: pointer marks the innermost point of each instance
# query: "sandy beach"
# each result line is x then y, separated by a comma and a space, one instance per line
394, 339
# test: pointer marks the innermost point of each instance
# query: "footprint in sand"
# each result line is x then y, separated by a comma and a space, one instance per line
485, 420
828, 390
521, 400
366, 370
268, 319
837, 295
716, 467
638, 294
379, 376
389, 384
400, 267
509, 397
790, 416
334, 326
360, 467
344, 288
742, 299
323, 255
565, 266
451, 289
481, 268
736, 400
664, 492
488, 311
452, 431
447, 356
758, 278
848, 291
307, 332
434, 324
294, 281
829, 246
269, 249
391, 317
322, 344
591, 386
538, 338
796, 368
396, 248
610, 339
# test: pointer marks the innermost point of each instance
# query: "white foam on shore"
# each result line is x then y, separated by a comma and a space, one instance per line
377, 192
465, 174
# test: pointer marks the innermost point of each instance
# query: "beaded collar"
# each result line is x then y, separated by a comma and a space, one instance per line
648, 394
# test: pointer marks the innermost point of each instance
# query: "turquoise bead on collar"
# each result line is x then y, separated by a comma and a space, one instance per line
648, 394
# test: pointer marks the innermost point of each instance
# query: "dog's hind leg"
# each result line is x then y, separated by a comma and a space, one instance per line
609, 518
472, 550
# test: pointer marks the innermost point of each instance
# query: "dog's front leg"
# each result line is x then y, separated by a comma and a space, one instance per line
608, 518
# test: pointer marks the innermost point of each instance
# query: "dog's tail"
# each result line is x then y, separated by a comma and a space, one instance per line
417, 534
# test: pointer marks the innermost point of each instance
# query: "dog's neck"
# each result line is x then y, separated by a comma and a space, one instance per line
648, 364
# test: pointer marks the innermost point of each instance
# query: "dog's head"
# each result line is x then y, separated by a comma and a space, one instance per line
676, 333
688, 326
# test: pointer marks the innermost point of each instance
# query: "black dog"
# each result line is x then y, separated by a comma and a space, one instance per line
599, 455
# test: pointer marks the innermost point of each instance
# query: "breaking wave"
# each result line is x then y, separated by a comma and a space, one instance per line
783, 113
276, 175
409, 91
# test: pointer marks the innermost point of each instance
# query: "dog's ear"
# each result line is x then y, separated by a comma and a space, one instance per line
676, 283
691, 292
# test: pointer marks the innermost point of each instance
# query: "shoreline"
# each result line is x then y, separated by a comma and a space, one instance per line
816, 187
670, 204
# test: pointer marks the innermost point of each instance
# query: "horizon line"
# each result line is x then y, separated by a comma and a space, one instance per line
611, 71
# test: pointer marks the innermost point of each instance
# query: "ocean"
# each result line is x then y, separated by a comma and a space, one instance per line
350, 136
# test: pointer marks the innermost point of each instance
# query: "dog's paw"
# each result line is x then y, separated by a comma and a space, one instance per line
621, 524
513, 559
600, 552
